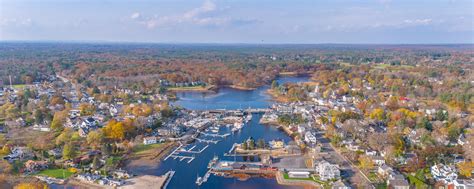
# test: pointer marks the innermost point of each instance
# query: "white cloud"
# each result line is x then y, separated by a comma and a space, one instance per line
207, 14
425, 21
207, 6
135, 16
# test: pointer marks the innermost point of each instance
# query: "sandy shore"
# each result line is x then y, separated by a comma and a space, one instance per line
146, 163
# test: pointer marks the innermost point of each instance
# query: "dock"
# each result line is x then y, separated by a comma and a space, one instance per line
194, 152
207, 141
214, 135
174, 151
169, 176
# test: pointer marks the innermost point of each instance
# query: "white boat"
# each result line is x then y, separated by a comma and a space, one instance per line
199, 181
248, 118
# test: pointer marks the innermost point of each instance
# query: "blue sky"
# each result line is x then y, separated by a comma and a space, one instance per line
239, 21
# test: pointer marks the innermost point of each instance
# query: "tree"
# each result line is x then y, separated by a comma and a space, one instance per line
87, 109
35, 185
366, 162
466, 168
261, 144
95, 138
378, 113
39, 116
274, 84
114, 130
58, 120
69, 152
251, 144
244, 146
64, 137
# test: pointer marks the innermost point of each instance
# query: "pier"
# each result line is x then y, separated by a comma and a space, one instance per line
169, 176
194, 152
214, 135
207, 141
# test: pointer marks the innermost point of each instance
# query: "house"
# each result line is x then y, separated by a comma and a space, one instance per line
378, 160
34, 166
121, 174
328, 171
298, 174
463, 184
397, 181
444, 173
277, 144
340, 185
149, 140
384, 170
89, 122
310, 138
57, 152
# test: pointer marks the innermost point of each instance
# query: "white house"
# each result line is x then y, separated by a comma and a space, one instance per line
378, 160
149, 140
328, 171
444, 173
310, 138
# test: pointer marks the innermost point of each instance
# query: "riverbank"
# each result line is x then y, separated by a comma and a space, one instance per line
208, 88
144, 162
277, 97
242, 87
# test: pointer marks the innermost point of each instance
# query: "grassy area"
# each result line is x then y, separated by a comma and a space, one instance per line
381, 186
314, 179
373, 176
418, 180
56, 173
141, 148
20, 86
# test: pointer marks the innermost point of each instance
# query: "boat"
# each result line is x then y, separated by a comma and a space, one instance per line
215, 130
248, 118
199, 181
237, 126
213, 162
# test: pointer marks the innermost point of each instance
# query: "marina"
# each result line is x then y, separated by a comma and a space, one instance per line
227, 136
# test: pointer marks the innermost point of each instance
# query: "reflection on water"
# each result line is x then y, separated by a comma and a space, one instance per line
229, 98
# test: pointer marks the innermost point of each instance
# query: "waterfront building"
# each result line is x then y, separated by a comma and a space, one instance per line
298, 174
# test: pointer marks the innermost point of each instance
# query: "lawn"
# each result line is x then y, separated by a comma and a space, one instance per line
20, 86
141, 148
56, 173
314, 179
418, 180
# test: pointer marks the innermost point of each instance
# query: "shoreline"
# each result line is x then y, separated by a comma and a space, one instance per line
241, 87
210, 88
276, 97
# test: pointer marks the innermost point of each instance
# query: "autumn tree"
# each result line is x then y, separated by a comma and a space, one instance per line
95, 138
69, 151
114, 130
366, 163
59, 119
466, 168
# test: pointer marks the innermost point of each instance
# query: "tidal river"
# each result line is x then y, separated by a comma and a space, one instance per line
225, 98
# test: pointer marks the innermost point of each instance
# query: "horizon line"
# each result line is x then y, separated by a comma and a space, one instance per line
213, 43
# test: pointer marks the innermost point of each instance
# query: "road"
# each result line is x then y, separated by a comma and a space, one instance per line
349, 170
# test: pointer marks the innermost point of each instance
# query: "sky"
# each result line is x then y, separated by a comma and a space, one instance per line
239, 21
